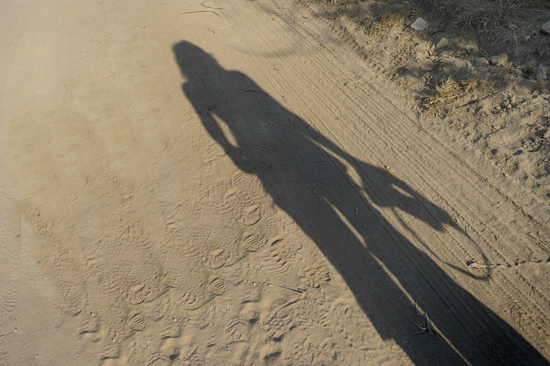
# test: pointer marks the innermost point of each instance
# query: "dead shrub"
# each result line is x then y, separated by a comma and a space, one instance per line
394, 20
488, 16
449, 90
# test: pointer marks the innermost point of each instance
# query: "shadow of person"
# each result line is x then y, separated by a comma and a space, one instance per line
311, 179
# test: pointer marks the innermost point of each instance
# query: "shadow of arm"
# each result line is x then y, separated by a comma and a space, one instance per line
234, 152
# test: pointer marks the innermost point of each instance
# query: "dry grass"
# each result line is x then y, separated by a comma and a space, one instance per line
488, 16
450, 90
529, 70
394, 20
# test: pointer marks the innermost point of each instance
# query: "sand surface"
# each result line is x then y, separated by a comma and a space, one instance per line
229, 183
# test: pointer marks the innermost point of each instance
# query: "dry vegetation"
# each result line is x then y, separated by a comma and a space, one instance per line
489, 16
452, 70
497, 21
450, 90
391, 20
475, 28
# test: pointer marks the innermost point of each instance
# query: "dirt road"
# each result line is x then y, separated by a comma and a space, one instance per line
223, 183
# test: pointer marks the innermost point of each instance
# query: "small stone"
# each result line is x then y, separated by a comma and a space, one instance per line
443, 42
545, 28
525, 39
481, 61
541, 73
499, 60
459, 65
419, 25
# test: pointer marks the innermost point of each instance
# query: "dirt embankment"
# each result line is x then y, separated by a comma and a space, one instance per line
477, 67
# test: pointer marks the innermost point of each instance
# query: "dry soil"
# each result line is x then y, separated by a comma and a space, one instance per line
230, 182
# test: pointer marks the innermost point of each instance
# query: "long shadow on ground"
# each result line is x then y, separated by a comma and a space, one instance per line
280, 148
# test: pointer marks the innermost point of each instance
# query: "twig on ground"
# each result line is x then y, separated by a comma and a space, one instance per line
254, 283
428, 326
285, 288
210, 7
356, 81
261, 91
200, 11
226, 26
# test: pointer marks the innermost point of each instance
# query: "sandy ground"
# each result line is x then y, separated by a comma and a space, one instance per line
228, 183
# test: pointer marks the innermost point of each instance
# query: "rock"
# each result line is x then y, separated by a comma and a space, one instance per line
499, 60
541, 73
545, 28
451, 65
481, 61
525, 39
465, 65
419, 25
443, 42
532, 63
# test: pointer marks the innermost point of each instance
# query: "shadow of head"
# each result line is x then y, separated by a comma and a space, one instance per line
192, 61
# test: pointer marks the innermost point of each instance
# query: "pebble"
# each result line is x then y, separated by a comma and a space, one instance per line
526, 39
545, 28
443, 42
458, 65
499, 60
419, 25
541, 73
481, 61
452, 65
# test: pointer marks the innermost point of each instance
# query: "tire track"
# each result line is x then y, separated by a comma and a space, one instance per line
372, 152
350, 115
416, 162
